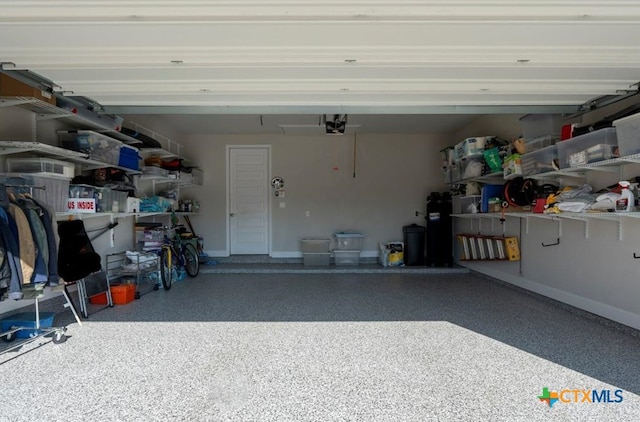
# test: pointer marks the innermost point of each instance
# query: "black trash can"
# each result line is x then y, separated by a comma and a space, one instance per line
414, 240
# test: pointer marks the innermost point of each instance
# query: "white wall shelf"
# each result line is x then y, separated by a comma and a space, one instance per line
46, 111
45, 150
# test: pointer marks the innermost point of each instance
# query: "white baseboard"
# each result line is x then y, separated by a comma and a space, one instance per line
220, 254
298, 254
607, 311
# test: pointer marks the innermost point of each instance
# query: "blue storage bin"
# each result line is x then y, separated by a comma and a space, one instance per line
129, 158
27, 319
488, 192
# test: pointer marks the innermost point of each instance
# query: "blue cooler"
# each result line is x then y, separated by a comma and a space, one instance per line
129, 157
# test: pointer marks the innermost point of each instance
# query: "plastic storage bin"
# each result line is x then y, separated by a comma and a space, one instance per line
99, 147
628, 134
538, 125
471, 167
102, 195
540, 161
27, 319
539, 143
121, 294
54, 194
44, 166
316, 251
346, 257
129, 157
466, 204
588, 148
349, 241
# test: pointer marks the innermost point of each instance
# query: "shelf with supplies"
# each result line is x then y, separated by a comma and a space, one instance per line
46, 111
46, 150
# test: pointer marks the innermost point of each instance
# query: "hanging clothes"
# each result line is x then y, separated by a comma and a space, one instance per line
48, 218
26, 244
34, 213
11, 265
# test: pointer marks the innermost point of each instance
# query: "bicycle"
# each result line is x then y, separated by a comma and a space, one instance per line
174, 255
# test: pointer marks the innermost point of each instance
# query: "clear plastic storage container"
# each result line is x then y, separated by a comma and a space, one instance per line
588, 148
540, 161
54, 194
44, 166
628, 134
98, 146
346, 257
537, 125
351, 241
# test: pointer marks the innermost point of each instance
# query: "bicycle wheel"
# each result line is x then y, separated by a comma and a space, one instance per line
166, 263
191, 263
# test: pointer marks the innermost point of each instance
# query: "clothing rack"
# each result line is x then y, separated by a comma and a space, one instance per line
36, 330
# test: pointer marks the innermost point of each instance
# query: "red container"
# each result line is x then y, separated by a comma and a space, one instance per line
120, 293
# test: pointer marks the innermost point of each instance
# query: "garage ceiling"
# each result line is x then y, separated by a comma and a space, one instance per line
253, 57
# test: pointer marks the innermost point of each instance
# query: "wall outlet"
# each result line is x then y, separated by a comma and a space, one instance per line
283, 204
307, 213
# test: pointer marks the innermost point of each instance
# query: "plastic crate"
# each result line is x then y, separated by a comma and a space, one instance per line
350, 241
43, 166
540, 161
588, 148
628, 134
466, 204
346, 257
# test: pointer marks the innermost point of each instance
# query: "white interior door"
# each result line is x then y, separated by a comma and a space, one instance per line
249, 200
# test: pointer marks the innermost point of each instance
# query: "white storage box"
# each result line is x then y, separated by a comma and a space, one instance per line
316, 258
350, 241
43, 166
132, 205
315, 245
588, 148
346, 257
538, 125
628, 134
540, 161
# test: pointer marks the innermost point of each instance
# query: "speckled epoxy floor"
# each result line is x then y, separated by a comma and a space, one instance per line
327, 347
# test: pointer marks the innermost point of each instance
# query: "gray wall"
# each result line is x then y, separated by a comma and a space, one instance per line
591, 268
393, 175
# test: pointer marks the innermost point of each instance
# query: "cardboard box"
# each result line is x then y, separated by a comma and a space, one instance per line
10, 87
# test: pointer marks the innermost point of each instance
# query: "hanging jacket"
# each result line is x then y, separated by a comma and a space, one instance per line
49, 222
33, 213
11, 256
26, 244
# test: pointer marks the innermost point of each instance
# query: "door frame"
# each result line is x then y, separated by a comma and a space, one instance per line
228, 186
